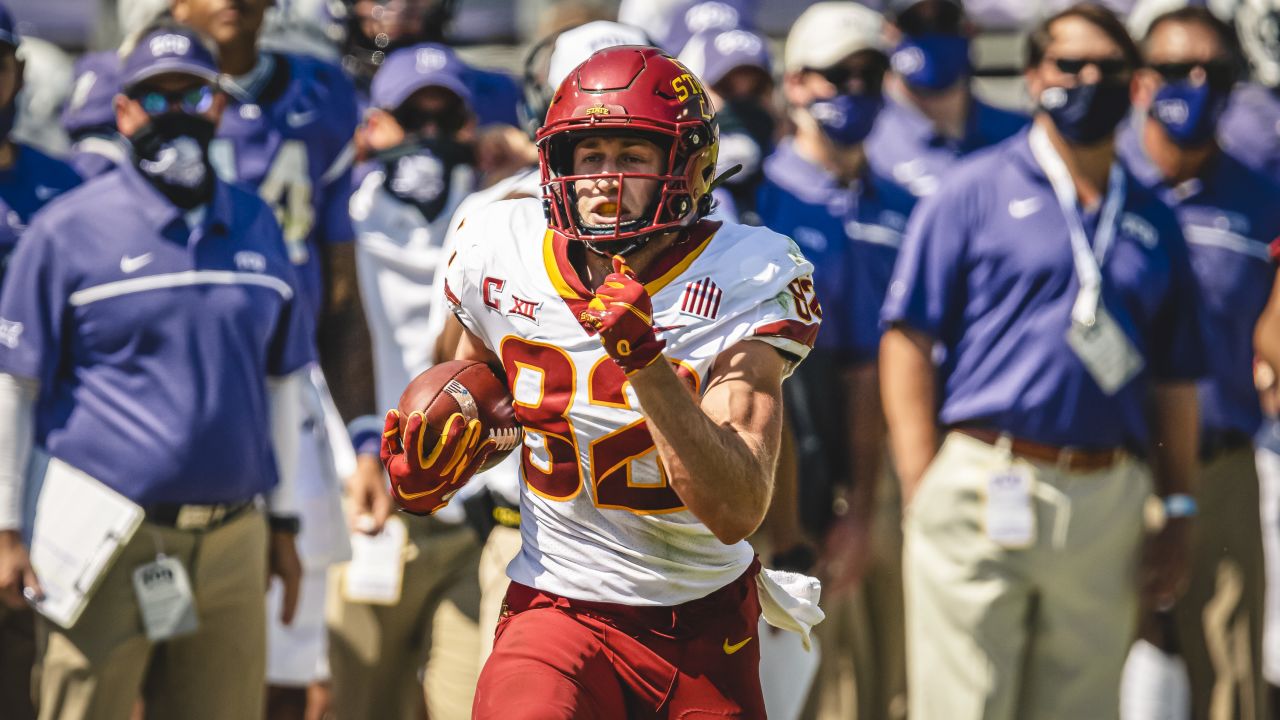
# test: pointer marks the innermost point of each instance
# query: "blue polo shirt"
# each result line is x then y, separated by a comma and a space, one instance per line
1229, 218
151, 341
291, 141
986, 269
850, 233
1250, 128
905, 147
33, 180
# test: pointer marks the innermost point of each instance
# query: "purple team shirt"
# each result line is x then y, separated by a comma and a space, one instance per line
1230, 218
152, 342
850, 232
986, 269
1250, 129
292, 144
33, 180
905, 147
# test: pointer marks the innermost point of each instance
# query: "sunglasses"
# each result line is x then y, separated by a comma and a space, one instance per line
195, 101
1218, 73
1107, 67
415, 120
866, 77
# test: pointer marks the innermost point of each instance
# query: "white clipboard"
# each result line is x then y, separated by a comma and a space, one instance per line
80, 527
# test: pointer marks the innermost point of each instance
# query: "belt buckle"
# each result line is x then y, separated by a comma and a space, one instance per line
1065, 456
196, 517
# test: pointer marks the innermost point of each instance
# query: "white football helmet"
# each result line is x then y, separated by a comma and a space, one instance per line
1144, 11
1258, 25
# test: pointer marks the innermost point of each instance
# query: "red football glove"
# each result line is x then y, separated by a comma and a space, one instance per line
622, 313
424, 477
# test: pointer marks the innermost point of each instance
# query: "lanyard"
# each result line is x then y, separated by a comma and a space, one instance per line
1088, 260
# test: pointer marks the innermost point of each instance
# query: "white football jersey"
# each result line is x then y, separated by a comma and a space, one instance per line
599, 521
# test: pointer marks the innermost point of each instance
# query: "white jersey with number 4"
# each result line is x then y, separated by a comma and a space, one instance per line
599, 521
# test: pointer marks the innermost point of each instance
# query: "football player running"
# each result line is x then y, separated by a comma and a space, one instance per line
645, 349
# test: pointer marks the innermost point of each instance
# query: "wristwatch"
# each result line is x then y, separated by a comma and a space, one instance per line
1180, 505
799, 558
291, 524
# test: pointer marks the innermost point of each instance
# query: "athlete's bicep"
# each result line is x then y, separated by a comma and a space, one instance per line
744, 392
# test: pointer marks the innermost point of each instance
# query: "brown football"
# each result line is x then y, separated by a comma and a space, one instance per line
469, 387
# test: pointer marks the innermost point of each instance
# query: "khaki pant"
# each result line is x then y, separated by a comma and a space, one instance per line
500, 548
376, 651
17, 655
1219, 619
104, 663
1040, 632
863, 672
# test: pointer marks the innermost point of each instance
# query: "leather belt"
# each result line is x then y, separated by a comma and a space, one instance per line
1071, 459
195, 517
1214, 442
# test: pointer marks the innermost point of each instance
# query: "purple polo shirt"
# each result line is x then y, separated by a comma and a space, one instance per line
152, 342
291, 142
986, 269
1250, 128
1229, 218
905, 147
851, 234
33, 180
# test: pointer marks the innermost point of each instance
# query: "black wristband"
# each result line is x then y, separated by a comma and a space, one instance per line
291, 524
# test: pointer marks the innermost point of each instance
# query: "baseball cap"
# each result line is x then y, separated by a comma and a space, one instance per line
410, 69
829, 32
8, 33
573, 47
711, 55
97, 80
897, 7
169, 50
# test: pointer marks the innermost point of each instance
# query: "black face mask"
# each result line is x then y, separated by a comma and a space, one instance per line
750, 117
172, 153
419, 171
1086, 114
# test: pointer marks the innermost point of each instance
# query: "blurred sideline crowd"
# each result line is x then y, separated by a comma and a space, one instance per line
370, 131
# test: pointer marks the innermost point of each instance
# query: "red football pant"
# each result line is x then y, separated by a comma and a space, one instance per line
561, 659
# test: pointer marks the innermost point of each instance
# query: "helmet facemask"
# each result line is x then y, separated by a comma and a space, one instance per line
671, 207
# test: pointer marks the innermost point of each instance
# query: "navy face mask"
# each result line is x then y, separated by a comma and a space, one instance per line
931, 62
846, 118
1086, 114
1189, 113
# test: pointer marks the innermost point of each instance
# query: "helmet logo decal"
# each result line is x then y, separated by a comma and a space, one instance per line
597, 110
684, 85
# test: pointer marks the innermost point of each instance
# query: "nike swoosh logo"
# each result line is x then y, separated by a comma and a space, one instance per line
134, 264
415, 495
665, 328
731, 649
298, 119
1019, 209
